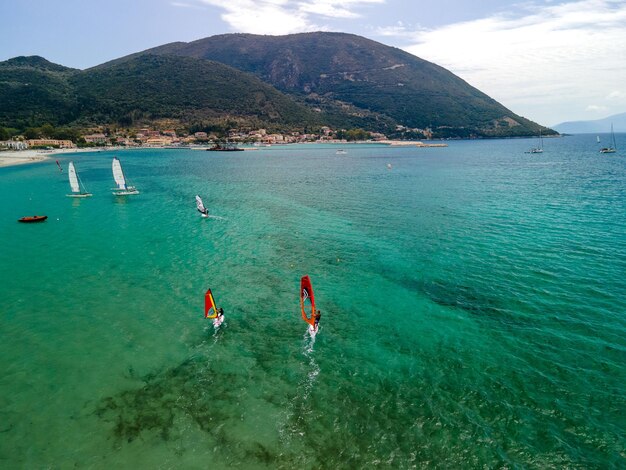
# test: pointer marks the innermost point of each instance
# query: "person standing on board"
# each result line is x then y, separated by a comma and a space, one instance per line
317, 317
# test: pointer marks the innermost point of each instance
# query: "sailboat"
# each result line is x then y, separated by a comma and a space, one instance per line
537, 149
609, 149
118, 175
204, 212
76, 183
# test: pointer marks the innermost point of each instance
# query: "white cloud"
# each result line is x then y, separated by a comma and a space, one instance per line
596, 109
547, 64
397, 30
616, 95
333, 8
185, 5
285, 16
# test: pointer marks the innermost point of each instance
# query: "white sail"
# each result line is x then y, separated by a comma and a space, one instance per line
613, 137
200, 206
598, 138
73, 178
118, 174
75, 183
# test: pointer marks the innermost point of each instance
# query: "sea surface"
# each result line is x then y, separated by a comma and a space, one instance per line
473, 305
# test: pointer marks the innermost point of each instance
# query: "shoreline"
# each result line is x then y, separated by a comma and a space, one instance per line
22, 157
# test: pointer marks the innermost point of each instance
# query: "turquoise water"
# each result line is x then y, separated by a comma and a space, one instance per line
473, 309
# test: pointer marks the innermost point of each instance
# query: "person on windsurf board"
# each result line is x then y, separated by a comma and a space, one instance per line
307, 299
318, 315
200, 206
211, 311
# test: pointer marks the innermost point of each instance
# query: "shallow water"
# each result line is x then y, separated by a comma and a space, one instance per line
472, 299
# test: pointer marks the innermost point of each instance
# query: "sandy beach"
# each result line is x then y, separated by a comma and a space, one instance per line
21, 157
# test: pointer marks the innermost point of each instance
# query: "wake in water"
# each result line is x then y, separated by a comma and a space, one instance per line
299, 412
214, 217
217, 331
218, 322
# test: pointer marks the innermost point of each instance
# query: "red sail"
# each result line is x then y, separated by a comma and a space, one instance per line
307, 299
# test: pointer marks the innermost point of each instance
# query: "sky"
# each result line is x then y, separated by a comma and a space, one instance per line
547, 60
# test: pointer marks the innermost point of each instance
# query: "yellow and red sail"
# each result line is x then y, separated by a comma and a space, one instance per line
210, 310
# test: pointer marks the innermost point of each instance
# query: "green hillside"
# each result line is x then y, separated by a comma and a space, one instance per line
142, 89
337, 67
300, 81
34, 91
181, 88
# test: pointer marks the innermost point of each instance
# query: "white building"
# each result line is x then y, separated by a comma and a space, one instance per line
14, 144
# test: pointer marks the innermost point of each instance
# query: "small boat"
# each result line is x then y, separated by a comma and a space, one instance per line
204, 212
340, 152
76, 183
118, 175
224, 148
33, 218
609, 149
537, 149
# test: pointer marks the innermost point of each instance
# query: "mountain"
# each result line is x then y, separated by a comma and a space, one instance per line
182, 88
338, 69
594, 127
34, 91
300, 81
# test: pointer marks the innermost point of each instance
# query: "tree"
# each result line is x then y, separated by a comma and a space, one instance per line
47, 131
31, 133
357, 134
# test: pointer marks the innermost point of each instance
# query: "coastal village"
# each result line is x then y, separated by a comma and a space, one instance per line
146, 137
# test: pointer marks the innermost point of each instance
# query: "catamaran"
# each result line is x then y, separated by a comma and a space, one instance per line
204, 212
118, 175
609, 149
76, 183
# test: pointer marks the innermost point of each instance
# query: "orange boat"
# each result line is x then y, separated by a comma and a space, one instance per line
33, 218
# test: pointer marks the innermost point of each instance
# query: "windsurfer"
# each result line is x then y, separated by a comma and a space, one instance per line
203, 210
316, 321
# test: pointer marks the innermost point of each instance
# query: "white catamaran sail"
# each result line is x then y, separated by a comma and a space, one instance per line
118, 175
203, 210
75, 183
